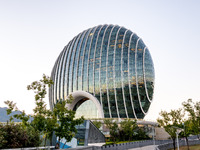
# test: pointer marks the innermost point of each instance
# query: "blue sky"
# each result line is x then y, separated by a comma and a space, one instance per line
34, 32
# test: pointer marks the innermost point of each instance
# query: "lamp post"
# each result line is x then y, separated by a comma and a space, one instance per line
177, 140
153, 135
178, 130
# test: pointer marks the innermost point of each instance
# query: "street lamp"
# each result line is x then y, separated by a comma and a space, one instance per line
178, 130
153, 128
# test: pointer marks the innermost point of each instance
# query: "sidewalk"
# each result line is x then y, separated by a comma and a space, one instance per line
150, 147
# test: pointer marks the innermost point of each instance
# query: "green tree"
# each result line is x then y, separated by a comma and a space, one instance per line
128, 126
169, 120
114, 129
23, 117
16, 136
45, 122
141, 134
187, 128
43, 119
193, 110
66, 120
97, 123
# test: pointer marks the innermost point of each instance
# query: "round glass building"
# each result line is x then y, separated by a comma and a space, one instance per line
109, 71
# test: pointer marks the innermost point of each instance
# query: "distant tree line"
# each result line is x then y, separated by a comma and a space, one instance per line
28, 134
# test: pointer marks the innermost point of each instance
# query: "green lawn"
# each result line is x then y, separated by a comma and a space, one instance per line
194, 147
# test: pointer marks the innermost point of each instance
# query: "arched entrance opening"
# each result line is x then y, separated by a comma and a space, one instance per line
86, 105
86, 108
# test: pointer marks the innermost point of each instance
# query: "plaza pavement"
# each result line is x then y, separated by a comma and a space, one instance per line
150, 147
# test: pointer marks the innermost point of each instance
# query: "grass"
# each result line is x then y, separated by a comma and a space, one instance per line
194, 147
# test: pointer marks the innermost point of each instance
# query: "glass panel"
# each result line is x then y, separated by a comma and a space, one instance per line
64, 71
97, 63
53, 76
103, 72
110, 72
61, 73
79, 79
149, 74
87, 109
56, 85
136, 104
91, 60
118, 82
140, 76
71, 65
76, 62
125, 75
85, 61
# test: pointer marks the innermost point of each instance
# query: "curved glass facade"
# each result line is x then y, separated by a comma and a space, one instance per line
113, 64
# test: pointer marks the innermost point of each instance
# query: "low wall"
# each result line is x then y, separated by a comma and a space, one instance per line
181, 143
124, 146
32, 148
162, 145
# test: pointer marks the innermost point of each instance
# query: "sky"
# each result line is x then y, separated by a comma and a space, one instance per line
34, 32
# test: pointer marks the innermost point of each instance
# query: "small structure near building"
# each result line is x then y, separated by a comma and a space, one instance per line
88, 133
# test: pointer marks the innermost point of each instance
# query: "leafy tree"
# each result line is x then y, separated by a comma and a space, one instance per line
169, 120
193, 110
45, 122
187, 128
50, 125
114, 129
3, 141
128, 126
97, 123
23, 117
15, 136
18, 135
67, 122
140, 134
43, 119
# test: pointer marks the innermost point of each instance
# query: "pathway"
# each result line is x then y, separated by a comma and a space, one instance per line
150, 147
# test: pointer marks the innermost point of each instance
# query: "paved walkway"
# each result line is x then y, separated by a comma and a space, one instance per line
150, 147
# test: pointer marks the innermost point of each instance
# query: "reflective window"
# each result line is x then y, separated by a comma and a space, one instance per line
140, 76
103, 87
61, 87
64, 71
87, 109
85, 62
118, 83
57, 77
125, 75
149, 74
106, 62
91, 60
97, 62
71, 64
81, 56
110, 73
76, 61
132, 70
